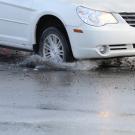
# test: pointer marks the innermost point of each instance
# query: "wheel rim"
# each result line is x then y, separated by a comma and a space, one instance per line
53, 49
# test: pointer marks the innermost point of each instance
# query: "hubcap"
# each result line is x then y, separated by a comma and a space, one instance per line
53, 49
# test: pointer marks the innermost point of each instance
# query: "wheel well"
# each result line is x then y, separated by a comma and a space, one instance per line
45, 22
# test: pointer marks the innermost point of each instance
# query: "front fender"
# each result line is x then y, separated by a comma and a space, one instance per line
65, 12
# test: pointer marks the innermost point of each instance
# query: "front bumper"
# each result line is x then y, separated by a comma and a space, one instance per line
86, 45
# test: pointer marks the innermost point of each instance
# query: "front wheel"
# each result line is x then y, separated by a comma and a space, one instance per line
54, 46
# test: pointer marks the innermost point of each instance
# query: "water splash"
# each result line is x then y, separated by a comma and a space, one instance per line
39, 63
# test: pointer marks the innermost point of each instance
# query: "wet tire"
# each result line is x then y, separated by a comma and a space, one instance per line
53, 46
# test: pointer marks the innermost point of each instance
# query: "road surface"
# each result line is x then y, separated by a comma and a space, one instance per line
49, 102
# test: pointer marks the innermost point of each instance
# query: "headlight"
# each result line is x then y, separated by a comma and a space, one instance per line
95, 17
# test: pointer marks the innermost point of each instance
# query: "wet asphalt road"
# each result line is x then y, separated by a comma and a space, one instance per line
97, 102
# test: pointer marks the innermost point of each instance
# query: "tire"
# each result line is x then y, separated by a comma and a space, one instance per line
53, 46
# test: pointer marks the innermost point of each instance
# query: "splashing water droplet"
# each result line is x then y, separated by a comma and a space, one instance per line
38, 62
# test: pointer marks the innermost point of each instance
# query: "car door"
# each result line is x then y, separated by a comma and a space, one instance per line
15, 19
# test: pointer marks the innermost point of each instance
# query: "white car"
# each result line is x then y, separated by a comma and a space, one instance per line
63, 30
